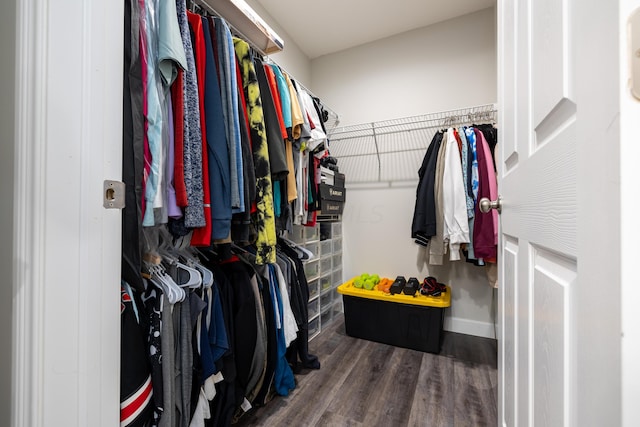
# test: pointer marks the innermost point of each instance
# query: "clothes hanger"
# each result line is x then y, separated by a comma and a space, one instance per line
162, 280
305, 254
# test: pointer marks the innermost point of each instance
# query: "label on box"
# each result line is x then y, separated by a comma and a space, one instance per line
331, 207
330, 192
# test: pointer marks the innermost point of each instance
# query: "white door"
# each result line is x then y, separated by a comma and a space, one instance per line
560, 285
66, 70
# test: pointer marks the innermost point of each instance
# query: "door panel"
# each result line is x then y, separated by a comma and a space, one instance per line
538, 183
550, 65
552, 279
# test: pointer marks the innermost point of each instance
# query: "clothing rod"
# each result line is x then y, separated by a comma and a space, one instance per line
408, 150
440, 116
334, 139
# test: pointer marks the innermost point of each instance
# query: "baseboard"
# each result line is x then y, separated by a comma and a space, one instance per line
469, 327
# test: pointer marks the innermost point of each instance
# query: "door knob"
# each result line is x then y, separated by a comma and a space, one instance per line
486, 205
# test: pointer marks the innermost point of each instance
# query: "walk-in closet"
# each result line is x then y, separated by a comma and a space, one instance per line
278, 212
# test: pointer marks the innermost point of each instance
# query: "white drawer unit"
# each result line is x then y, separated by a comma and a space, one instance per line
323, 272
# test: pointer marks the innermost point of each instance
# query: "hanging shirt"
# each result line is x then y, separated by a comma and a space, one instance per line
285, 96
456, 225
437, 247
460, 135
227, 74
202, 235
194, 210
264, 220
173, 210
296, 112
154, 111
219, 155
171, 54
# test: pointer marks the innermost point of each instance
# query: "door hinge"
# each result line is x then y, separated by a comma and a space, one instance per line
113, 194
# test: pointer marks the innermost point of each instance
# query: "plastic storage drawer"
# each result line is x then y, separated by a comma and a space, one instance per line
325, 247
314, 288
325, 265
314, 327
312, 233
314, 308
325, 300
337, 245
336, 229
337, 261
325, 282
325, 315
311, 269
336, 277
297, 234
314, 248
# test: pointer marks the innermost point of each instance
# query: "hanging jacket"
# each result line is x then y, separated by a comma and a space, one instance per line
437, 248
264, 218
484, 231
424, 214
456, 222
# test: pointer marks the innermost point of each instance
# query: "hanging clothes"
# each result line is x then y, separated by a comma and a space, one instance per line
265, 220
192, 137
228, 83
457, 170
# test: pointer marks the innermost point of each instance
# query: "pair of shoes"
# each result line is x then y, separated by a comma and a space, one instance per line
397, 285
411, 287
431, 287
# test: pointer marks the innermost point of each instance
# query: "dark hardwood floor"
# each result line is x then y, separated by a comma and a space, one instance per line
364, 383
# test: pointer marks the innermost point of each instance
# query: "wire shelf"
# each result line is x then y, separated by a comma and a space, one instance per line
392, 150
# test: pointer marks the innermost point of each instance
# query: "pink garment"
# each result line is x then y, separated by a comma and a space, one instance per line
493, 183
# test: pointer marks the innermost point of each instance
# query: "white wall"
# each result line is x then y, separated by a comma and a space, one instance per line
291, 59
7, 52
443, 66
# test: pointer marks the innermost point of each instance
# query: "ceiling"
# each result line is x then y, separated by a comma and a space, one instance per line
321, 27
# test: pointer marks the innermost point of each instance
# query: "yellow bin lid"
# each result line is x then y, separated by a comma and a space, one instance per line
442, 301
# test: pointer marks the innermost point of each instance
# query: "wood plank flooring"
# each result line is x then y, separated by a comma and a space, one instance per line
364, 383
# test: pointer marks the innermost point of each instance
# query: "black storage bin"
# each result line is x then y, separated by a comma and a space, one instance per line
413, 322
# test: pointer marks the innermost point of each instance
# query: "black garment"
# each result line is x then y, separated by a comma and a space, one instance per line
244, 319
299, 305
266, 391
242, 232
490, 133
132, 149
152, 303
135, 373
424, 215
275, 140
